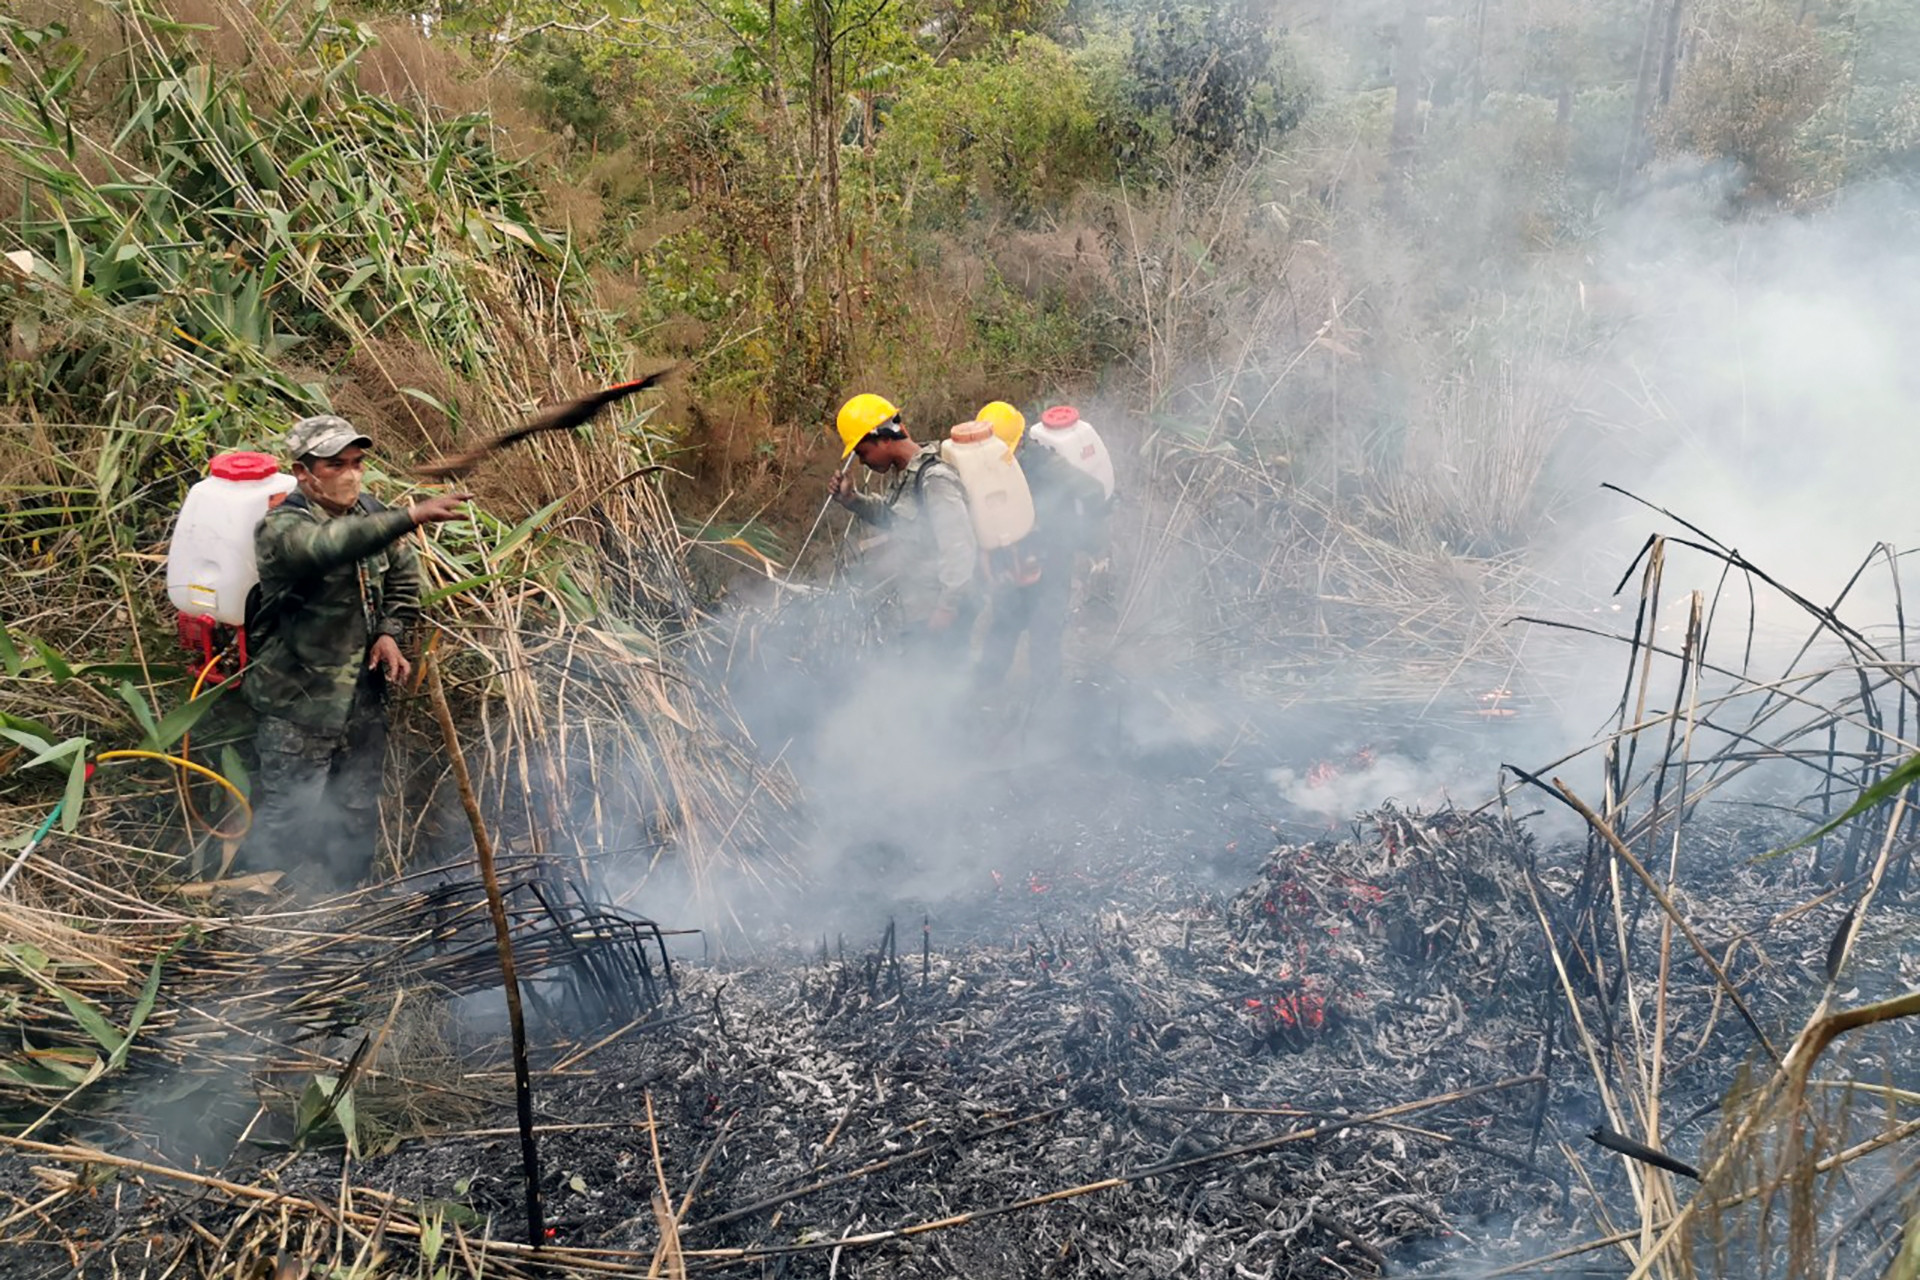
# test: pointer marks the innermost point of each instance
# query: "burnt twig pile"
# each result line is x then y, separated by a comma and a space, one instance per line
270, 994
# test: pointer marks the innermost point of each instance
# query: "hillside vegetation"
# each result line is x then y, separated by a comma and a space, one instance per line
1339, 279
1324, 272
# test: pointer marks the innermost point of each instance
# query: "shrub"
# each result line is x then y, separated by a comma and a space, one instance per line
1755, 81
1010, 134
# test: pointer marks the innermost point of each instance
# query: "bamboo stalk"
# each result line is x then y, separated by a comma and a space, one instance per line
1666, 904
516, 1019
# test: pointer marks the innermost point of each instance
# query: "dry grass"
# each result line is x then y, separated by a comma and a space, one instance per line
568, 620
1786, 1178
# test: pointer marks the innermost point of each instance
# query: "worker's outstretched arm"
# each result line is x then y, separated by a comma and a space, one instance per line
291, 543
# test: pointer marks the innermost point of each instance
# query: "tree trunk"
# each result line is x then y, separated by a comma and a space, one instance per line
1670, 51
1631, 153
1403, 143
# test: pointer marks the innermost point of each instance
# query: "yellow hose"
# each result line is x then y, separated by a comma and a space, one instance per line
186, 790
181, 762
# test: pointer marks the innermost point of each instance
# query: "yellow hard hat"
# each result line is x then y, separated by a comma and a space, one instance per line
1007, 422
860, 417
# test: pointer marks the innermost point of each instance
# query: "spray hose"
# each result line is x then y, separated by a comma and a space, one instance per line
184, 764
825, 505
180, 762
186, 788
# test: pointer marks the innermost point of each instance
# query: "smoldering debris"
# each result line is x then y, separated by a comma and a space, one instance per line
1362, 1054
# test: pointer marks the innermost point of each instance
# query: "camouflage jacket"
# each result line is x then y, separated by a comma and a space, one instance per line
929, 549
329, 586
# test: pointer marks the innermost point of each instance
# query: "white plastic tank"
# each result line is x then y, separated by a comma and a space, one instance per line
210, 565
997, 495
1064, 431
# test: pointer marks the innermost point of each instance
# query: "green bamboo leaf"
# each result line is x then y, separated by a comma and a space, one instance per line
25, 957
9, 655
17, 731
315, 1100
57, 751
312, 1104
91, 1020
56, 665
141, 712
1907, 1265
352, 286
77, 259
65, 1067
76, 792
455, 588
349, 1126
526, 527
436, 176
143, 1007
180, 721
235, 771
41, 1075
127, 671
36, 735
424, 398
1905, 775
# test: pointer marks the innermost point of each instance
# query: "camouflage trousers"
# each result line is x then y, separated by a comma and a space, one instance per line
317, 810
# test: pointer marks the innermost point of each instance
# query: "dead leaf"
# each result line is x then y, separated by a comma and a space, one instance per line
256, 882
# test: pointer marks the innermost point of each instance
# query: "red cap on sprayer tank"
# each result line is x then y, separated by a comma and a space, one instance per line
1060, 417
970, 433
243, 466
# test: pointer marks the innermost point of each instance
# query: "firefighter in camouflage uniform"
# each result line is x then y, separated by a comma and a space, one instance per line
339, 591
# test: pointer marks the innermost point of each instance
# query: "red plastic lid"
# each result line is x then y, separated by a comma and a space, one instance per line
243, 466
1060, 417
970, 433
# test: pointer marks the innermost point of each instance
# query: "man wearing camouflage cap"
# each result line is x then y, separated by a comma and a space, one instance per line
339, 591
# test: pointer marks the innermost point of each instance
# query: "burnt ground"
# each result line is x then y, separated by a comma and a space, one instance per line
1181, 987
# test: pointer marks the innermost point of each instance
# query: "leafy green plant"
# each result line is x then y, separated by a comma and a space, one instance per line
1018, 132
74, 1067
325, 1109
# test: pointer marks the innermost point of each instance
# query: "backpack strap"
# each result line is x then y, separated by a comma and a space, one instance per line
925, 463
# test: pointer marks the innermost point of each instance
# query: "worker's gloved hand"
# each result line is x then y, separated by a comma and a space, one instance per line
843, 489
445, 506
386, 655
942, 618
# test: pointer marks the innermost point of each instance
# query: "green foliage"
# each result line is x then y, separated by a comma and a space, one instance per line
74, 1067
1025, 342
326, 1110
1014, 134
1755, 82
1208, 73
189, 231
570, 91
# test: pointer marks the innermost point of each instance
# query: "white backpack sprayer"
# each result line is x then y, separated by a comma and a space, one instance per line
210, 564
997, 498
1064, 431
